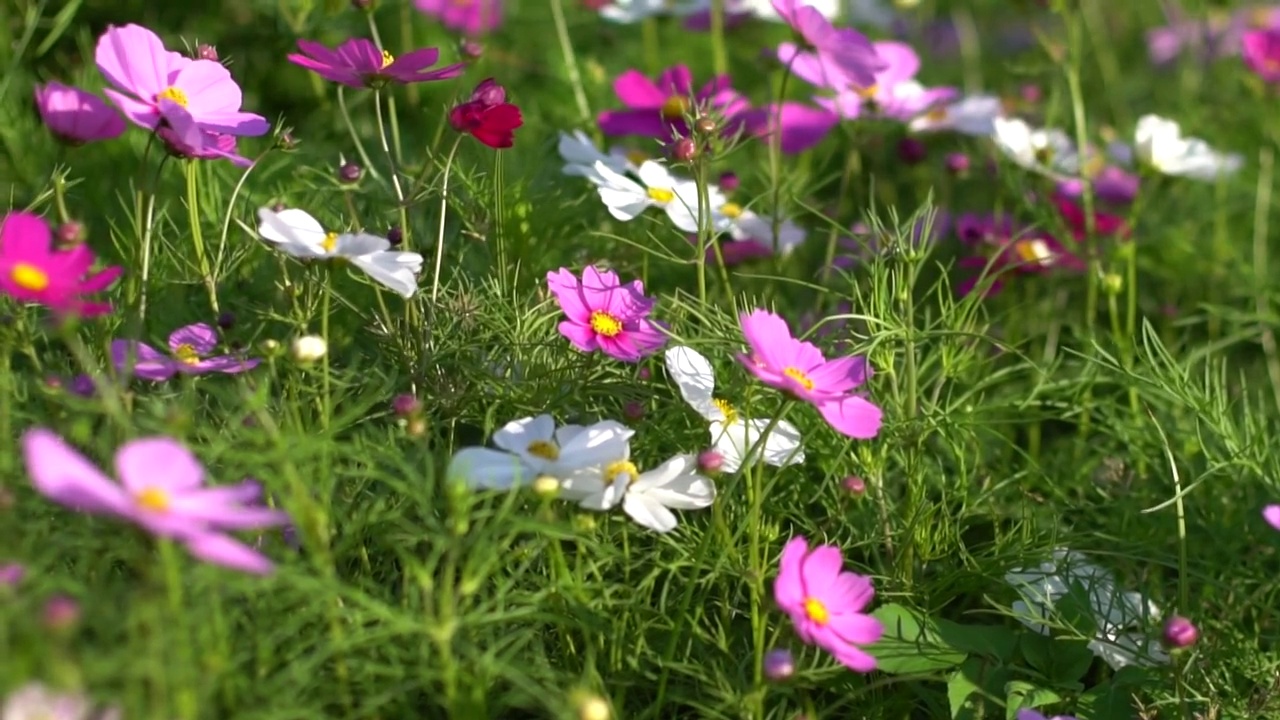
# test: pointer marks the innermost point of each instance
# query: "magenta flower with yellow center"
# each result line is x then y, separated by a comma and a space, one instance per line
33, 270
189, 350
605, 315
161, 490
799, 369
359, 63
826, 603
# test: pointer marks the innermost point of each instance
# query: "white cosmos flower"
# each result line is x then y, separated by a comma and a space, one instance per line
533, 447
646, 497
295, 232
744, 224
1038, 149
764, 10
970, 115
1159, 144
627, 199
1122, 618
732, 434
631, 11
580, 154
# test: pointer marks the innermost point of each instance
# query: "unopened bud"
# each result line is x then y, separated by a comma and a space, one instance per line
684, 150
912, 150
11, 574
855, 485
643, 374
395, 236
1179, 633
729, 181
470, 49
308, 348
710, 462
350, 173
205, 51
70, 234
1112, 283
705, 125
633, 410
957, 163
592, 707
405, 405
489, 93
61, 612
545, 486
226, 320
779, 665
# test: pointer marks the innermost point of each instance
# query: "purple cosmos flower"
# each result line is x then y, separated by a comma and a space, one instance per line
359, 63
1219, 35
76, 116
469, 17
658, 109
201, 145
1262, 53
155, 86
895, 94
800, 126
605, 314
999, 246
188, 346
798, 368
840, 57
1112, 185
1271, 514
172, 503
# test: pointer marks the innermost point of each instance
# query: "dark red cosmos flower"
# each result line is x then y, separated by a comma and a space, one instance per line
487, 116
1105, 224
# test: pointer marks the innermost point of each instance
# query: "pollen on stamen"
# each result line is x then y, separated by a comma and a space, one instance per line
729, 412
543, 449
621, 467
816, 611
799, 376
154, 499
733, 211
387, 58
661, 195
174, 94
330, 242
605, 324
29, 277
186, 354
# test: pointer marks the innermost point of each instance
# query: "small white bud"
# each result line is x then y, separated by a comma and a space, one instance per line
309, 348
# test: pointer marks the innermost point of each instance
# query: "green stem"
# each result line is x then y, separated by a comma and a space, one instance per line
197, 237
570, 59
355, 137
444, 206
775, 155
719, 58
649, 41
324, 332
188, 704
395, 175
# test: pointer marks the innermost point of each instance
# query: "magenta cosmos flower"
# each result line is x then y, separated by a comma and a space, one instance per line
800, 126
153, 85
605, 314
657, 109
1262, 53
359, 63
189, 348
798, 368
1000, 247
469, 17
32, 270
161, 490
839, 57
826, 603
895, 94
75, 116
1271, 514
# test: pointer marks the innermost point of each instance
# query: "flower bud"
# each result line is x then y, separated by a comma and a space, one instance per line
489, 93
226, 320
1112, 283
308, 348
912, 150
633, 410
70, 234
643, 374
1179, 633
83, 385
11, 574
205, 51
350, 173
470, 49
395, 236
710, 462
592, 707
957, 163
405, 405
546, 487
779, 665
729, 181
61, 612
855, 486
684, 150
286, 141
705, 125
1031, 94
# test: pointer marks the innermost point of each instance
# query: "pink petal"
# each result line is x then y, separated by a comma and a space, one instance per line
852, 416
856, 628
820, 570
66, 477
676, 80
158, 462
228, 552
788, 588
25, 237
201, 337
637, 91
1271, 514
580, 336
133, 59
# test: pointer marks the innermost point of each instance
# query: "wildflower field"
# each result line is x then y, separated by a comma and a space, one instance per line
648, 359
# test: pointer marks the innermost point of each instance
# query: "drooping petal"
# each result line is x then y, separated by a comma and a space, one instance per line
853, 416
648, 512
487, 469
395, 270
695, 379
293, 229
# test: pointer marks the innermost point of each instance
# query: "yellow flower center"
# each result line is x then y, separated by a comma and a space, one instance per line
937, 114
1044, 155
173, 94
799, 376
1032, 251
730, 413
731, 210
605, 324
330, 242
154, 499
187, 355
543, 449
1093, 166
868, 93
661, 196
29, 277
387, 58
675, 107
816, 611
636, 157
621, 467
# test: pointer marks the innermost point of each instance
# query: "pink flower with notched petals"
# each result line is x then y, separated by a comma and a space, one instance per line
154, 86
657, 109
605, 314
32, 270
189, 349
826, 603
895, 94
76, 116
1262, 53
359, 63
161, 490
839, 57
798, 368
469, 17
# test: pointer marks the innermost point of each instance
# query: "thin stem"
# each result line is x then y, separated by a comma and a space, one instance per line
704, 229
60, 195
395, 176
444, 206
1262, 208
570, 59
719, 58
188, 705
649, 41
355, 138
235, 194
147, 215
197, 237
775, 154
324, 332
500, 237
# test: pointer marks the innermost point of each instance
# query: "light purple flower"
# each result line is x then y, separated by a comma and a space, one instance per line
189, 348
605, 314
76, 116
153, 85
359, 63
469, 17
1112, 185
1217, 36
1271, 514
895, 94
161, 490
839, 57
657, 109
800, 126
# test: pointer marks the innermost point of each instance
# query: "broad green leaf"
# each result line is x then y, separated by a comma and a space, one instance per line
993, 641
1062, 660
975, 688
911, 643
1021, 694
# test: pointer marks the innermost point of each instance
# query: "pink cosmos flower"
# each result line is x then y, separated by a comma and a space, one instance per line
76, 116
1219, 35
188, 346
779, 360
839, 57
658, 109
359, 63
161, 490
1271, 514
1262, 53
155, 86
826, 603
605, 315
895, 94
1000, 247
469, 17
32, 270
800, 126
1112, 185
1105, 224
